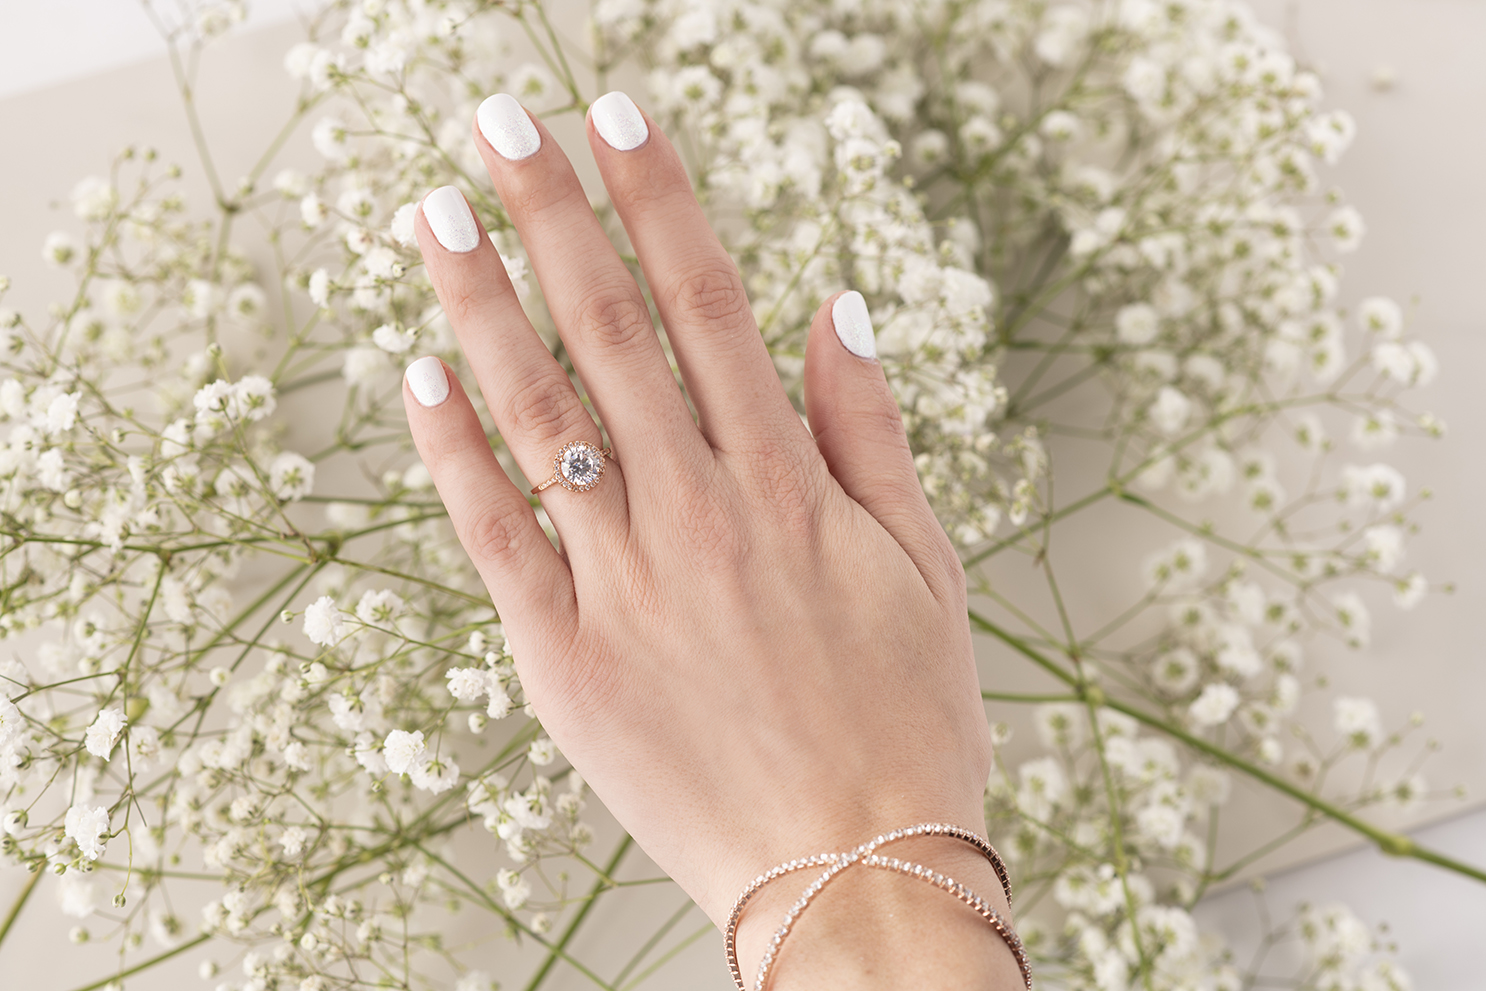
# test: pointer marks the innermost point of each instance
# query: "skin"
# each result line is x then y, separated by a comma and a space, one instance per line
753, 643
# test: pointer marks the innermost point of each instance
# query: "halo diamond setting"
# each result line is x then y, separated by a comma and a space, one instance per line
579, 466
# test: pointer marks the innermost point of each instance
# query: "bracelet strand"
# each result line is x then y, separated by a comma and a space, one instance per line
843, 861
970, 898
865, 854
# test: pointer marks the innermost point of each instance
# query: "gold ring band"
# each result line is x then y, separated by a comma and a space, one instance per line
577, 467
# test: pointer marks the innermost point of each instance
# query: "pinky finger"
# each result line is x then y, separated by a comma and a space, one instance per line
530, 585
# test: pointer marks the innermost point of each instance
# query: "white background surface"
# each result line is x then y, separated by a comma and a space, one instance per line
1417, 172
44, 42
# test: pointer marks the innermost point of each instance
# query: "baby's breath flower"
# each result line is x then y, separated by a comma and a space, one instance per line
402, 225
1410, 591
1353, 618
392, 340
1379, 486
291, 476
1179, 567
514, 888
103, 733
79, 892
1345, 228
59, 249
467, 684
94, 198
542, 751
477, 980
330, 139
1357, 720
1213, 707
87, 826
319, 287
61, 413
403, 751
436, 775
323, 622
1137, 324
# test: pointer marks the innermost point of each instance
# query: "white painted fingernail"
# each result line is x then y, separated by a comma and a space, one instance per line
428, 381
507, 127
853, 324
452, 220
619, 121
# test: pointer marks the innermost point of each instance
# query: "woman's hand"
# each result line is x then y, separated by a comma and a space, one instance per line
753, 643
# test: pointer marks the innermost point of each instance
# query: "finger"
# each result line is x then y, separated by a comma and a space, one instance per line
859, 431
530, 586
530, 397
594, 301
694, 282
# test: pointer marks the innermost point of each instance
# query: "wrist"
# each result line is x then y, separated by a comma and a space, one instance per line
873, 928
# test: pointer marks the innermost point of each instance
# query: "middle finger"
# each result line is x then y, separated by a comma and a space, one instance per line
594, 301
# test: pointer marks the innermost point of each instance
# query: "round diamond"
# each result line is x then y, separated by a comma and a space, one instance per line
580, 465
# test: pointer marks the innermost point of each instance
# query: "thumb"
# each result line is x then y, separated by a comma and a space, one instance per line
859, 431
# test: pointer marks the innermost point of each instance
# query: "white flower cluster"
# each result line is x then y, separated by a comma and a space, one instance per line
1117, 926
1120, 927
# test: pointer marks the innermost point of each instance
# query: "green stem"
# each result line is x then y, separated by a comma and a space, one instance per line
652, 942
670, 954
1027, 699
1117, 834
599, 886
20, 902
1393, 844
147, 964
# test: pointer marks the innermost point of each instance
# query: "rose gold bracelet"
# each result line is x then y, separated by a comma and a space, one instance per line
990, 915
835, 863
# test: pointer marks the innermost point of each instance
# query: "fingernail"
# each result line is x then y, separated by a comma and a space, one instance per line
428, 381
507, 127
452, 220
853, 324
619, 121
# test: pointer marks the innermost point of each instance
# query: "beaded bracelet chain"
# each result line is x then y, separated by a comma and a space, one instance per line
866, 855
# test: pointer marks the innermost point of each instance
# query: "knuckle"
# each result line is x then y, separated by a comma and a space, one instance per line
959, 589
546, 409
885, 420
982, 758
778, 474
497, 534
708, 531
443, 449
529, 194
712, 295
613, 318
467, 299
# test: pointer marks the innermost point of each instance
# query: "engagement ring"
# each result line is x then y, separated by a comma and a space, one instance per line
577, 467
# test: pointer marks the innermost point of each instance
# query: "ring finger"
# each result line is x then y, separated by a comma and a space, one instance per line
530, 397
